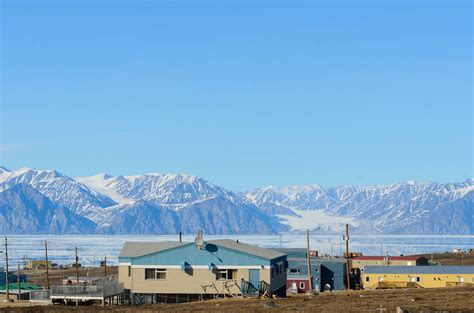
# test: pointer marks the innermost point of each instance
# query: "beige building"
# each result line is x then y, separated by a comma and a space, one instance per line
209, 269
360, 262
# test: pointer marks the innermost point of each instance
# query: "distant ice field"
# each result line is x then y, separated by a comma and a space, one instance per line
92, 249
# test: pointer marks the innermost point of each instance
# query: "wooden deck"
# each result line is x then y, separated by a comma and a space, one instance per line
108, 293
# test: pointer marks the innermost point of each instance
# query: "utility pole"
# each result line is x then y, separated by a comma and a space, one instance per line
6, 268
347, 258
18, 281
47, 263
77, 268
309, 262
105, 267
180, 236
340, 247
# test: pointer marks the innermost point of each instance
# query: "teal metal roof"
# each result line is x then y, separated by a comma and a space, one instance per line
419, 269
292, 252
139, 249
246, 248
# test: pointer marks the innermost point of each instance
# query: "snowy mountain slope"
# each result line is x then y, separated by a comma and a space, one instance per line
213, 215
61, 189
100, 183
139, 218
185, 202
171, 190
392, 208
24, 210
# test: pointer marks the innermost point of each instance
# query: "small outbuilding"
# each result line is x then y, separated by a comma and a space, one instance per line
327, 273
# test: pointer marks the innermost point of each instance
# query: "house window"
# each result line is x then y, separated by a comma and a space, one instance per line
273, 272
282, 268
302, 285
418, 279
367, 278
409, 263
129, 271
294, 270
224, 274
155, 273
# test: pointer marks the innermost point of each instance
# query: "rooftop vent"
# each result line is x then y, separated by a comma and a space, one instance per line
199, 240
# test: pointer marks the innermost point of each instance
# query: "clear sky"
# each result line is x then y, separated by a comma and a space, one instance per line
243, 93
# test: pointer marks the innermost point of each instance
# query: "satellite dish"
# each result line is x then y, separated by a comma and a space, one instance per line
199, 240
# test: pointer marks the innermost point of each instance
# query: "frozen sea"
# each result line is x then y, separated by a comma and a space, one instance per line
92, 249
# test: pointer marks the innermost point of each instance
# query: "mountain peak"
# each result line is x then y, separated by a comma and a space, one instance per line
103, 176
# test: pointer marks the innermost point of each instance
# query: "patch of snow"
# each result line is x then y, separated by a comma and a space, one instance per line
464, 191
316, 219
99, 182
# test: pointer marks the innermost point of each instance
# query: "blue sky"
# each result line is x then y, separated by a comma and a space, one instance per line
242, 93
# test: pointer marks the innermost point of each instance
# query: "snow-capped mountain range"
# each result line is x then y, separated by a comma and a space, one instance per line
51, 202
406, 208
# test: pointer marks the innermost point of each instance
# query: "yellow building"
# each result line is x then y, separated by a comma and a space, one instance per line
380, 277
38, 264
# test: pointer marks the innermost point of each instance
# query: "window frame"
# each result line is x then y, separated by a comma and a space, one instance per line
159, 273
220, 272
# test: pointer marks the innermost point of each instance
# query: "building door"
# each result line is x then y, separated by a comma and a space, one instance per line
412, 279
461, 280
254, 277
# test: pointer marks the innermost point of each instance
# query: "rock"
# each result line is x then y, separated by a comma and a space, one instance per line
270, 304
